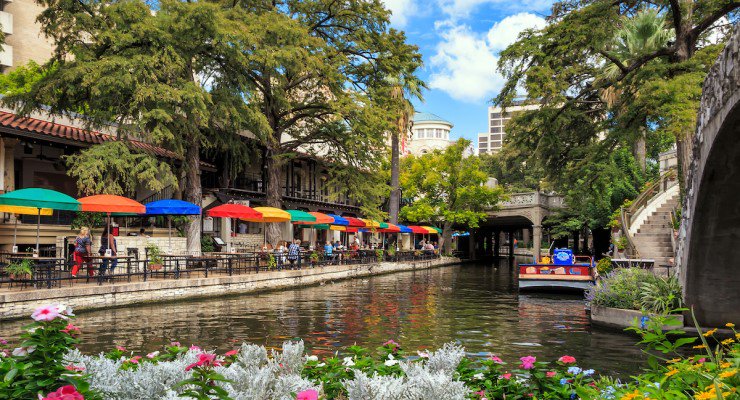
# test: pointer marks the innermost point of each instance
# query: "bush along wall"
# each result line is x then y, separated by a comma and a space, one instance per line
46, 365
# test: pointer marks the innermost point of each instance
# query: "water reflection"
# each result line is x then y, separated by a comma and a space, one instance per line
475, 305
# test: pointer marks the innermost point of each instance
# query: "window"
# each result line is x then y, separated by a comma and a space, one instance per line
497, 122
495, 129
483, 145
498, 137
447, 135
495, 115
439, 133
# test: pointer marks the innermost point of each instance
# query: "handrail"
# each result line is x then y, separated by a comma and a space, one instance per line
626, 232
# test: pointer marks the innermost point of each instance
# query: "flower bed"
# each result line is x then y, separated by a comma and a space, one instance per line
45, 365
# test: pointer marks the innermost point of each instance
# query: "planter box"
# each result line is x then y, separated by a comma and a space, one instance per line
621, 318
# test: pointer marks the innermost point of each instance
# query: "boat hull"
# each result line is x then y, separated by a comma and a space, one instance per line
553, 285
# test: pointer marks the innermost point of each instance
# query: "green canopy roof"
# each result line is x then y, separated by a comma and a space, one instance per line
300, 216
40, 198
317, 226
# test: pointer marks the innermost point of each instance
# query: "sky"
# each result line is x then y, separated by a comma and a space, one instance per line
460, 41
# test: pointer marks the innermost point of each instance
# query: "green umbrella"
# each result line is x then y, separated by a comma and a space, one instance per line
300, 216
317, 226
39, 198
383, 225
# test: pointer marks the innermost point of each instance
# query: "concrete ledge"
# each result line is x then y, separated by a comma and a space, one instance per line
88, 297
620, 318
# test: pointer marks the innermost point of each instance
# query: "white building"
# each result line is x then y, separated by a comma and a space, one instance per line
492, 141
429, 132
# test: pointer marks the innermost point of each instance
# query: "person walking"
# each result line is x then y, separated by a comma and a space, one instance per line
108, 241
82, 252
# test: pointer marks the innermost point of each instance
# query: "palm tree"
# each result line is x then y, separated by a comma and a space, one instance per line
642, 34
404, 88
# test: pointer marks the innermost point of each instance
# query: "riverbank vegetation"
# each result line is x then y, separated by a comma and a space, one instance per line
46, 365
636, 289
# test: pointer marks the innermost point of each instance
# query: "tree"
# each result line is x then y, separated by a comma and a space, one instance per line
404, 88
448, 188
562, 64
314, 80
165, 77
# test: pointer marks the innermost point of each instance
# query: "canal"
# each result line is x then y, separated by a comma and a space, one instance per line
476, 305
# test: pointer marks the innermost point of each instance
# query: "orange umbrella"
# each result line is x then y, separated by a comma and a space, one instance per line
108, 203
321, 218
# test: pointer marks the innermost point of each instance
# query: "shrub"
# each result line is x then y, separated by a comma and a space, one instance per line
636, 289
604, 266
661, 295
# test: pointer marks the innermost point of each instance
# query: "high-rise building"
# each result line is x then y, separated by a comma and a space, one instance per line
24, 40
493, 140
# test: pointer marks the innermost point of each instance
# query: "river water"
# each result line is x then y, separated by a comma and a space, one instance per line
476, 305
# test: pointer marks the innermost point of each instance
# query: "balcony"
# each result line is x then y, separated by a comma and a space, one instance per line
6, 22
6, 55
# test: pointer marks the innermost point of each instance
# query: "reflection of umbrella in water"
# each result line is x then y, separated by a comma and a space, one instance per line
111, 204
39, 199
169, 208
24, 211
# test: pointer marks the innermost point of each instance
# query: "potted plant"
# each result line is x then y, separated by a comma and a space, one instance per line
155, 256
391, 253
379, 254
314, 257
21, 270
271, 262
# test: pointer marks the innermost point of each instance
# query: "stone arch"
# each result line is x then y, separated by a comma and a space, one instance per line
710, 228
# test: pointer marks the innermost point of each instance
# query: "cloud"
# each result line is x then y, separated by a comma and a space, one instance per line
464, 65
462, 8
401, 10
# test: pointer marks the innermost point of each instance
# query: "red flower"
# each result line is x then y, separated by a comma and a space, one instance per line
71, 330
68, 392
204, 360
231, 353
567, 359
550, 374
309, 394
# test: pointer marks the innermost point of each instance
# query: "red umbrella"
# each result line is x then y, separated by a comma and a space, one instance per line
231, 210
418, 229
390, 229
234, 211
355, 223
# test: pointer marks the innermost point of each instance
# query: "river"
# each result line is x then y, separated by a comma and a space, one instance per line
476, 305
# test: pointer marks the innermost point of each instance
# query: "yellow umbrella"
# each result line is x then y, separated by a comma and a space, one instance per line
25, 211
269, 214
338, 228
370, 223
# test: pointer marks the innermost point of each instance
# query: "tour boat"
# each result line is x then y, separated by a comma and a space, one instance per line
564, 272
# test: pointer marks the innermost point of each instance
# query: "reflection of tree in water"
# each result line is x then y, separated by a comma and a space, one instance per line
475, 305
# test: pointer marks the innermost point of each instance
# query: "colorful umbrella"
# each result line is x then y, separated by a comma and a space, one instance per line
370, 223
230, 210
405, 229
390, 228
270, 214
298, 216
432, 230
341, 221
323, 218
354, 222
315, 226
25, 211
169, 208
418, 229
108, 204
39, 199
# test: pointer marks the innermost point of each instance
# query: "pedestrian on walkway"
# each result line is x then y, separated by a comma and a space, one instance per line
108, 241
82, 253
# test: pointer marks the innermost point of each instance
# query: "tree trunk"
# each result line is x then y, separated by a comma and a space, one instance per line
193, 193
446, 240
395, 200
274, 194
640, 150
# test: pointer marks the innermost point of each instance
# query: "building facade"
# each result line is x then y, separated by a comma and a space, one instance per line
429, 132
493, 140
24, 40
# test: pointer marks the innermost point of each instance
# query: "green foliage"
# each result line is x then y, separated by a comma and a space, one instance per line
636, 289
271, 262
604, 266
19, 269
91, 220
112, 168
661, 295
37, 367
206, 243
379, 254
154, 253
314, 257
21, 79
447, 187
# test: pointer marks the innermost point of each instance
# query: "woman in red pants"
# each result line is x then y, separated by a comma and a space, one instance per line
83, 246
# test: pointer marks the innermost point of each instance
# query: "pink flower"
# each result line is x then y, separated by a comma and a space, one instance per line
231, 353
506, 376
204, 360
120, 348
23, 351
152, 354
701, 360
46, 313
64, 393
496, 360
391, 343
482, 394
550, 374
134, 359
194, 348
309, 394
71, 330
3, 342
74, 368
567, 359
528, 362
177, 344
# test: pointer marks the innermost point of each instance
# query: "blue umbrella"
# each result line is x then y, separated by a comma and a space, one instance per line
339, 220
405, 229
171, 207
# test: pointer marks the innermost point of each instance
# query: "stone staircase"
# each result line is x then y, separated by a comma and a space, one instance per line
653, 237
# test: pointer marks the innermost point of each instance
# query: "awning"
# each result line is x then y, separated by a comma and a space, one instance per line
269, 214
341, 221
354, 222
233, 211
322, 218
405, 229
298, 216
418, 229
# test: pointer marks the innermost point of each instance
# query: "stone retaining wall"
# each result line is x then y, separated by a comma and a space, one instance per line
88, 297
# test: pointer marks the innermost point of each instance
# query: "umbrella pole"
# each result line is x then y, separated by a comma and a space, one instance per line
38, 225
169, 231
15, 231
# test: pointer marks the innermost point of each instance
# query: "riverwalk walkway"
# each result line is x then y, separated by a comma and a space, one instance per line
83, 294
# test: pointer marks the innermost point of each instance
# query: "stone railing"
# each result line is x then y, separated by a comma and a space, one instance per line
531, 199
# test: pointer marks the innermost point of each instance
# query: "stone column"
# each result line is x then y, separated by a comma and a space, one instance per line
7, 161
525, 237
496, 243
511, 243
536, 240
471, 245
226, 232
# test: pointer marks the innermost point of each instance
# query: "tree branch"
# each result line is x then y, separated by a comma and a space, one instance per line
708, 21
676, 11
614, 60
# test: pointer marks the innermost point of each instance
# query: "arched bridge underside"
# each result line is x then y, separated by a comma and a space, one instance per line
709, 239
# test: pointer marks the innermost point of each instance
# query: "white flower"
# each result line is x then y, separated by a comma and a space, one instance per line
152, 355
321, 364
479, 376
390, 357
423, 354
390, 363
64, 310
24, 351
348, 362
312, 358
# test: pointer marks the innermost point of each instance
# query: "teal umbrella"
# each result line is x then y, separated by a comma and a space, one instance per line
39, 198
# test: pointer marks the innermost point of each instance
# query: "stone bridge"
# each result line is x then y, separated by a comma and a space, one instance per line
522, 211
708, 266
